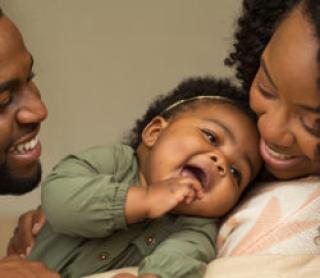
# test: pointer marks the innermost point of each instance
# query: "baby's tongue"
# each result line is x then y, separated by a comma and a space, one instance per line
191, 172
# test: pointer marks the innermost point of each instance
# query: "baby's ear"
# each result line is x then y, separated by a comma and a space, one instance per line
152, 131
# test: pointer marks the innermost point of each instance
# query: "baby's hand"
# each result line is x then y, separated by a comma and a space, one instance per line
162, 197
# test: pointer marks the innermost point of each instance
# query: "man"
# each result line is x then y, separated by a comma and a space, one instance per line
21, 113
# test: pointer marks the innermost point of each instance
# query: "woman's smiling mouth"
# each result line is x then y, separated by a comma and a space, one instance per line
278, 160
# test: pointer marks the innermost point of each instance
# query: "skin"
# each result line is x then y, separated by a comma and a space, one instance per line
197, 138
218, 136
21, 242
21, 112
290, 61
286, 97
17, 267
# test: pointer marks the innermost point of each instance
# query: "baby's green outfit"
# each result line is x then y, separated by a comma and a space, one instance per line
86, 230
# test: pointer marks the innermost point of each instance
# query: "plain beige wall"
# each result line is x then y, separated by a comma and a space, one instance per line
99, 63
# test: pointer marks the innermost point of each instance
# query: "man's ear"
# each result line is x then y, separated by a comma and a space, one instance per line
152, 131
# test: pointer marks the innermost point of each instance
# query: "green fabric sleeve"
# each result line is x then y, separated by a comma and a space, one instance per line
85, 194
184, 253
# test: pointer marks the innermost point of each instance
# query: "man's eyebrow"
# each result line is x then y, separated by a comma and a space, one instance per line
267, 73
8, 85
226, 130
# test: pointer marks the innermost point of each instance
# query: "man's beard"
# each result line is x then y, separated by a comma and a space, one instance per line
17, 186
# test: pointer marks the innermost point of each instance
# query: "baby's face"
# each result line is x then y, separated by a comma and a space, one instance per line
214, 143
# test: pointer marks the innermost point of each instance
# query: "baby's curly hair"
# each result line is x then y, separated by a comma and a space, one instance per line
188, 89
256, 25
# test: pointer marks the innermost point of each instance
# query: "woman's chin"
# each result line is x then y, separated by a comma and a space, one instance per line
287, 174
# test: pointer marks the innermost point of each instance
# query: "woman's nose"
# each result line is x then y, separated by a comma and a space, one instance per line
32, 109
275, 128
220, 163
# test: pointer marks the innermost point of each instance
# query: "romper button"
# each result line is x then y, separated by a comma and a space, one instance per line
104, 256
150, 240
316, 240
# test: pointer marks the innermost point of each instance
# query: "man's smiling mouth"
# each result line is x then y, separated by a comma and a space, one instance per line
26, 146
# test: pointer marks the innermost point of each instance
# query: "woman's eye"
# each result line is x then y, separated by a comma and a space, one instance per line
236, 174
314, 129
264, 92
211, 136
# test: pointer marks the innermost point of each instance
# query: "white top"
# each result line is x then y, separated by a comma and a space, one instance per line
275, 218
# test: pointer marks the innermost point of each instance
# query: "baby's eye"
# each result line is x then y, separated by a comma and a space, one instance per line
212, 137
236, 174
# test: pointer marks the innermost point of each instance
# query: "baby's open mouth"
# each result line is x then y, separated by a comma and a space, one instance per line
197, 173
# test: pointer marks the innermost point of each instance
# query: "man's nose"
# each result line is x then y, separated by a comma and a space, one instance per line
220, 162
32, 109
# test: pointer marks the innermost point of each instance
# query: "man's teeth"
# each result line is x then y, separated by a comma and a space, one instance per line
278, 155
27, 146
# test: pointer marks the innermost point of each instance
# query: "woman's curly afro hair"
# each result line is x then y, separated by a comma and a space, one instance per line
255, 27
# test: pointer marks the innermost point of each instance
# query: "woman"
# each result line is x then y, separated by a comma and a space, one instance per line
276, 59
276, 56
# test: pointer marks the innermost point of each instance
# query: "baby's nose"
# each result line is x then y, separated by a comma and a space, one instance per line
220, 163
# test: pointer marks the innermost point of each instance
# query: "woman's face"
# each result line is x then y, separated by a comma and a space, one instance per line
285, 95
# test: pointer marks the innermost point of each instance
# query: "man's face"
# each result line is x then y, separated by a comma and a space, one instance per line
21, 112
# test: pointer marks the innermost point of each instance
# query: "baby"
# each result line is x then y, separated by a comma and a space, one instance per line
155, 201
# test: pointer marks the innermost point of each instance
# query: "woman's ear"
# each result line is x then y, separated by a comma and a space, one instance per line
152, 131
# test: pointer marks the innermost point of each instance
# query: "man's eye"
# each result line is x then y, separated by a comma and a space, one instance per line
236, 174
5, 99
212, 137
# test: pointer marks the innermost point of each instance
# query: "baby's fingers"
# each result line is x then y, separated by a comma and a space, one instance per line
190, 195
197, 188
